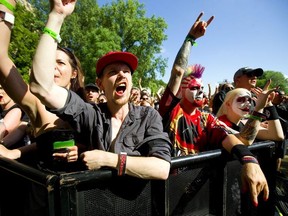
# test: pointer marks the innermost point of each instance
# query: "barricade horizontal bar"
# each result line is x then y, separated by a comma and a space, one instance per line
211, 155
85, 176
27, 172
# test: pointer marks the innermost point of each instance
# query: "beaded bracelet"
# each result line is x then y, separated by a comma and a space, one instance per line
53, 34
7, 5
122, 158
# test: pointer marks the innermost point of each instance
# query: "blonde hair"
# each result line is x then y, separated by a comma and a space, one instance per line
229, 99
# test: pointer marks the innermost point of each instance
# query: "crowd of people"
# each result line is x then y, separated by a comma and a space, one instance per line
113, 123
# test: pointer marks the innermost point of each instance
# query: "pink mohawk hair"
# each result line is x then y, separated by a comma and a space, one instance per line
195, 71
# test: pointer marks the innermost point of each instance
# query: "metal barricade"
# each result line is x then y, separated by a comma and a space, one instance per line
204, 184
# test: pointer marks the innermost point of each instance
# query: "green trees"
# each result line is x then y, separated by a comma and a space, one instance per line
278, 80
92, 31
24, 40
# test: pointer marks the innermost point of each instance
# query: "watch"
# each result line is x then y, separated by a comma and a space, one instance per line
7, 17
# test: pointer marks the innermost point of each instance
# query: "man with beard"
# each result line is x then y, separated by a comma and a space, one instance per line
127, 138
191, 130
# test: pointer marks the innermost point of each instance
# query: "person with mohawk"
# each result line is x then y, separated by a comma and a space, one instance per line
191, 130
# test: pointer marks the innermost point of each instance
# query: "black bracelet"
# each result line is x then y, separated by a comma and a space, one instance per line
271, 113
241, 151
258, 114
191, 39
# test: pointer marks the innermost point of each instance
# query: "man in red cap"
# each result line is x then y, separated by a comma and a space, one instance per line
127, 138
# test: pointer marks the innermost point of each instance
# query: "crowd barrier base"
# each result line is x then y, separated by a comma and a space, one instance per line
204, 184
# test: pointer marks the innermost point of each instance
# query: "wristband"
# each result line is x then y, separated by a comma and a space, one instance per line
241, 151
271, 113
258, 114
249, 160
53, 34
7, 5
7, 17
253, 117
122, 157
191, 39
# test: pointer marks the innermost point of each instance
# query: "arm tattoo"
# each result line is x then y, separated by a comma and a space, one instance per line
250, 130
183, 54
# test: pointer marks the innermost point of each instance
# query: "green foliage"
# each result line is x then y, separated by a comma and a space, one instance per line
24, 40
278, 80
92, 31
140, 35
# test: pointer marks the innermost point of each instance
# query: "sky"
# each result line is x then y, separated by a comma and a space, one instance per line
251, 33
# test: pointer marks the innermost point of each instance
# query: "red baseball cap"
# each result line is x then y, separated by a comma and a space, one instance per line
116, 56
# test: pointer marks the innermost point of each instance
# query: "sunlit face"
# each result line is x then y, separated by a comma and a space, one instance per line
194, 92
116, 82
242, 103
247, 81
63, 70
4, 98
135, 93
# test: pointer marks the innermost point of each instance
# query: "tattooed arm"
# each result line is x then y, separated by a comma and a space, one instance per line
197, 30
251, 128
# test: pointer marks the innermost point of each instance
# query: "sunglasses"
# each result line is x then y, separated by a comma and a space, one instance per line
145, 98
250, 75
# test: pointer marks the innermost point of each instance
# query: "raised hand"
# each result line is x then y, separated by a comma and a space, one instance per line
64, 7
199, 27
264, 96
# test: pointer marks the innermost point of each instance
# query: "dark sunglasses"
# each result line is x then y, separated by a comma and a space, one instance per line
145, 98
250, 75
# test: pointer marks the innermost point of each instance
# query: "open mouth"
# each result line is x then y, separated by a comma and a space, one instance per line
120, 89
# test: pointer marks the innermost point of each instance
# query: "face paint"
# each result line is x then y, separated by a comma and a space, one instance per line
194, 92
242, 103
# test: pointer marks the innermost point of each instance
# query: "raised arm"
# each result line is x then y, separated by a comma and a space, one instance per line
42, 77
197, 30
10, 79
252, 128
